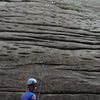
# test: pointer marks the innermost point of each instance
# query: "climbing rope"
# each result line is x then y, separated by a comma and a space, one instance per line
41, 82
52, 2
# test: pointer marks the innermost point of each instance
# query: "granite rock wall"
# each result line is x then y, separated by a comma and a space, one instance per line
57, 42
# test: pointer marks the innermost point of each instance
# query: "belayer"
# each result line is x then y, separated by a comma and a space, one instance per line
32, 86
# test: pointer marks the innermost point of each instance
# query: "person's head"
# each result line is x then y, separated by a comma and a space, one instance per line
32, 84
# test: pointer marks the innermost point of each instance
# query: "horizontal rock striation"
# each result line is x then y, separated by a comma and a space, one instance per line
58, 42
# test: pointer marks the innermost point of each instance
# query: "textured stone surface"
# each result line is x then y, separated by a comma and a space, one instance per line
61, 36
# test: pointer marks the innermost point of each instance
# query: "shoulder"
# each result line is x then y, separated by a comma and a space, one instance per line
27, 93
30, 95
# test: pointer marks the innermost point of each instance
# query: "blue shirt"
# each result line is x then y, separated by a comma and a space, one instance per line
28, 95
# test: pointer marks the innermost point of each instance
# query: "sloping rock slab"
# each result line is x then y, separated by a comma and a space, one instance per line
56, 42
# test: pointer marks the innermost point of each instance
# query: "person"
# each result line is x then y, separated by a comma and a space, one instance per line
32, 86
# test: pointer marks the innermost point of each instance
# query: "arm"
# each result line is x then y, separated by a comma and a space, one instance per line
33, 97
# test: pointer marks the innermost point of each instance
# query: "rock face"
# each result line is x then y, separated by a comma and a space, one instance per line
57, 42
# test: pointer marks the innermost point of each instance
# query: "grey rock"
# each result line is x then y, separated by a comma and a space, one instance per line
61, 36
